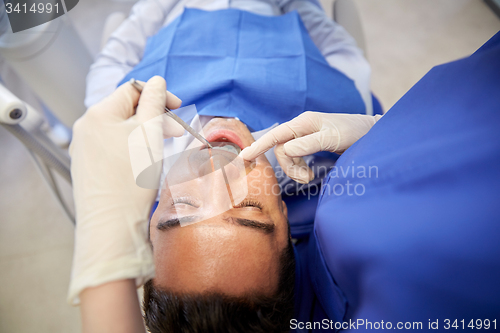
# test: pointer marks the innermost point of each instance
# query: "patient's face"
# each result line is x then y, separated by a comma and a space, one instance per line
206, 240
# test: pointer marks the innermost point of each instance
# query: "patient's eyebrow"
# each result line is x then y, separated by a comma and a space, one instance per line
267, 228
175, 222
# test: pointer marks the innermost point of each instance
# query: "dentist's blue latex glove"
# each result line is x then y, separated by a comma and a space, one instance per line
307, 134
111, 210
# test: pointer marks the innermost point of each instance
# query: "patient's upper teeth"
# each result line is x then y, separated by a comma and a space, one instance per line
229, 148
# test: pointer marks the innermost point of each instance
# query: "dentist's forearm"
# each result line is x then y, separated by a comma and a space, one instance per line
111, 307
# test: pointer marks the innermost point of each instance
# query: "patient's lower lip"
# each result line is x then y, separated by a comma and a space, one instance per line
227, 134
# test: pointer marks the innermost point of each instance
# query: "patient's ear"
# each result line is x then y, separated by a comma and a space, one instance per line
284, 209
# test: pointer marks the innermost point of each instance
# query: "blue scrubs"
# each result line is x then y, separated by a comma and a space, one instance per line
408, 224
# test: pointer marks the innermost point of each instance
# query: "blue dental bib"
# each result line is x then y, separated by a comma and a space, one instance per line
233, 63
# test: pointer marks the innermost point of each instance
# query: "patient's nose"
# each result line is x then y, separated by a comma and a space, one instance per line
226, 185
216, 159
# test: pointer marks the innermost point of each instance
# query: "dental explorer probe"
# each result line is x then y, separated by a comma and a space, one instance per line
138, 86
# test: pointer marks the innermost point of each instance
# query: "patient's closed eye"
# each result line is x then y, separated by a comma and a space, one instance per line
184, 201
249, 203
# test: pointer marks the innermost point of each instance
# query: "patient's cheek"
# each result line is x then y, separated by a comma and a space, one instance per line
255, 187
269, 172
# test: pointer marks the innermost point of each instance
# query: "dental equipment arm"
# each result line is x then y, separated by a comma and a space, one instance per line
307, 134
112, 212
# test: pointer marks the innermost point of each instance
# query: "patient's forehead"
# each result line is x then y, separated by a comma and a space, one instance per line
218, 256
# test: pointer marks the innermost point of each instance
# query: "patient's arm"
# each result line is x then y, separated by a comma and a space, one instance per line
125, 48
336, 45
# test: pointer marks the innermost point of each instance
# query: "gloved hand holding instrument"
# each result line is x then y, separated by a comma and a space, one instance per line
111, 210
307, 134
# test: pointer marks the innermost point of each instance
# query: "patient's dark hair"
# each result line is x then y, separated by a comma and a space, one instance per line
166, 311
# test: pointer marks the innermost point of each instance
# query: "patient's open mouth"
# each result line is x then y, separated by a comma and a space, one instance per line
229, 147
223, 135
